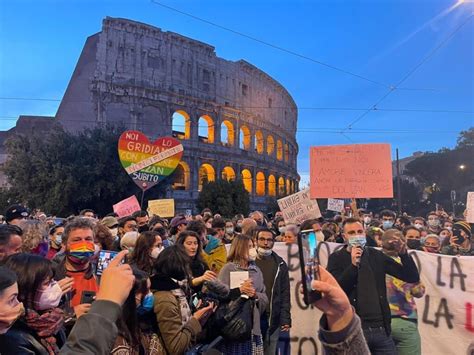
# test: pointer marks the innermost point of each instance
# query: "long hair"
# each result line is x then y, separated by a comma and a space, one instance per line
31, 270
34, 233
127, 323
103, 236
239, 249
182, 238
141, 253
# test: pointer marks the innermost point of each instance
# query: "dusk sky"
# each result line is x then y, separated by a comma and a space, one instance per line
370, 45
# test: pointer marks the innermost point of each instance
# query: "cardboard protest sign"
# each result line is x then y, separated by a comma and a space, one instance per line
148, 163
162, 208
127, 207
351, 171
335, 205
298, 207
445, 312
470, 207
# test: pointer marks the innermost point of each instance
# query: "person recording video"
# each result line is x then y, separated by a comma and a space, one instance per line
361, 272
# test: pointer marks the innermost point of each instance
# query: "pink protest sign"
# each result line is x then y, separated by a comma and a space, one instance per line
127, 207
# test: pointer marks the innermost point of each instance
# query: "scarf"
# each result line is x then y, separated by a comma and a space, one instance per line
46, 326
183, 305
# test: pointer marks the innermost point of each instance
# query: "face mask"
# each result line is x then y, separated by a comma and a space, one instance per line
433, 222
418, 225
282, 230
114, 231
80, 252
387, 224
146, 305
58, 239
229, 230
48, 298
263, 252
413, 243
155, 252
449, 229
431, 250
367, 220
358, 241
252, 254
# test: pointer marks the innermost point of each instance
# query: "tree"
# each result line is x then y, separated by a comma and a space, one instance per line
62, 173
466, 138
227, 198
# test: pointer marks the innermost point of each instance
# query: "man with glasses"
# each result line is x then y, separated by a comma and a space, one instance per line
15, 214
277, 315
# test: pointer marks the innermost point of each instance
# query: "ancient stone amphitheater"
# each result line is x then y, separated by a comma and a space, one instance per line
232, 118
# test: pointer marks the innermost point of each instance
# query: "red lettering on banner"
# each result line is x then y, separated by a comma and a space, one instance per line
469, 326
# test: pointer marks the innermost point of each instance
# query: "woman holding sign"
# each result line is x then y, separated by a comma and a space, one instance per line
245, 280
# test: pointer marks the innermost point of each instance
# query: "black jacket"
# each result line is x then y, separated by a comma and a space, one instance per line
22, 340
280, 295
346, 274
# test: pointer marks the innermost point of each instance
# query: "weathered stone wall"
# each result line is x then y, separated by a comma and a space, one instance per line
138, 76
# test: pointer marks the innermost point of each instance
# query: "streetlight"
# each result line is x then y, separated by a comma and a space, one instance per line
462, 166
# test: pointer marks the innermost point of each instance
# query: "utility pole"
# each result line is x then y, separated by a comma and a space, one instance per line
399, 190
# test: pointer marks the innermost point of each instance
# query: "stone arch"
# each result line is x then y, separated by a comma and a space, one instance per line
260, 184
281, 186
287, 152
247, 179
279, 150
228, 173
271, 185
270, 144
181, 125
227, 133
244, 139
181, 177
288, 186
259, 142
206, 129
206, 174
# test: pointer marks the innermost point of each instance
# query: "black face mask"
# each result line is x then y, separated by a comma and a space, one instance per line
413, 243
143, 228
457, 233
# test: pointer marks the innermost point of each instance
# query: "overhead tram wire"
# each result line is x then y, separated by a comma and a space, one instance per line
309, 108
271, 45
423, 61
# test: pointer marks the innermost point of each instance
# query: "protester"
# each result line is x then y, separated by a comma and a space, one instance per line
200, 272
374, 237
75, 263
10, 240
178, 328
128, 241
242, 257
277, 316
142, 220
116, 282
419, 223
460, 242
229, 232
400, 296
87, 213
55, 241
279, 226
15, 214
41, 329
291, 234
127, 224
112, 225
366, 217
248, 226
103, 238
35, 237
218, 224
177, 225
412, 236
10, 308
431, 244
433, 223
258, 217
148, 247
444, 234
361, 273
388, 219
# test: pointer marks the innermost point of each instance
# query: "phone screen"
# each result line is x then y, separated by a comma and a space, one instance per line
309, 265
105, 257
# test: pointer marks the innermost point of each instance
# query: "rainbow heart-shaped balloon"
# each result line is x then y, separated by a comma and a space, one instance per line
148, 163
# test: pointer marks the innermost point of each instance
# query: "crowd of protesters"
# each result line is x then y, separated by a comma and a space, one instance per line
170, 289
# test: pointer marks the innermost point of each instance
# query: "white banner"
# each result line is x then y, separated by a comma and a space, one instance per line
445, 313
299, 207
335, 205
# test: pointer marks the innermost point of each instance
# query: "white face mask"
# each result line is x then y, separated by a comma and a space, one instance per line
263, 252
418, 225
252, 254
114, 231
282, 230
229, 230
155, 252
48, 298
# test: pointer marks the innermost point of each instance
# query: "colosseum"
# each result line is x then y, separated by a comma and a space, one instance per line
232, 118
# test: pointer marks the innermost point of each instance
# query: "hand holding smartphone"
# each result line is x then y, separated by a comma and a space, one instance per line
309, 265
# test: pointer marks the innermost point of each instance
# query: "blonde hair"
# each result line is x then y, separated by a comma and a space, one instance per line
239, 249
34, 232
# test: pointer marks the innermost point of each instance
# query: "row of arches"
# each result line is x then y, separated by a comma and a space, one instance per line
271, 185
181, 128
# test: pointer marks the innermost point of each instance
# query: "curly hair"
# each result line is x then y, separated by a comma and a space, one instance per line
103, 236
34, 233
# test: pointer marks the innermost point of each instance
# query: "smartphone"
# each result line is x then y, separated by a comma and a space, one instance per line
87, 297
309, 265
105, 257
